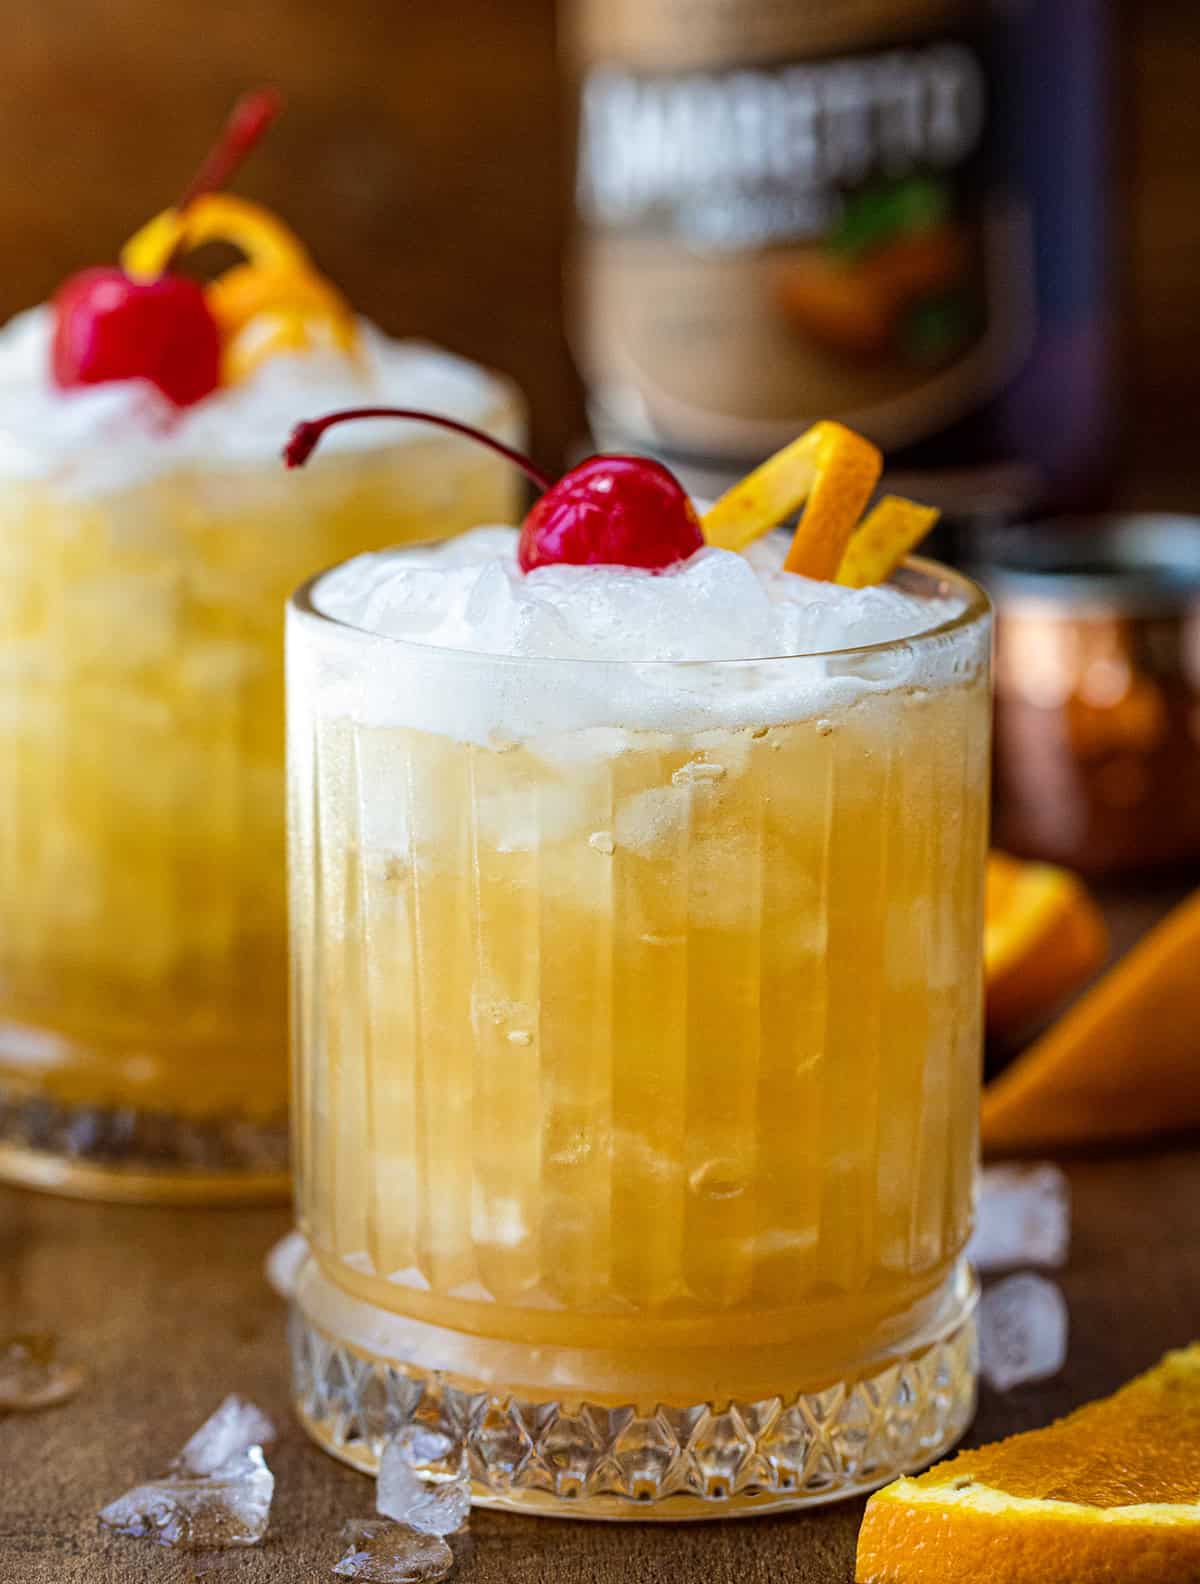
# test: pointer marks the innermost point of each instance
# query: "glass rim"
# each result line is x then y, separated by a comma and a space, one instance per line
976, 608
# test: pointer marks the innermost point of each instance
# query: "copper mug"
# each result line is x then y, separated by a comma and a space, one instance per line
1098, 692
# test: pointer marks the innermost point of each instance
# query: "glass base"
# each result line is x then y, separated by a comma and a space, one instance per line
125, 1155
807, 1444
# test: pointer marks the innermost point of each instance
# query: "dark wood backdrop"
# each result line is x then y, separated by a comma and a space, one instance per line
423, 159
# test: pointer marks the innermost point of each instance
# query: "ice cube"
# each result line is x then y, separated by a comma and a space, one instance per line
230, 1506
216, 1492
283, 1262
697, 772
1024, 1218
235, 1427
423, 1481
392, 1553
1022, 1331
31, 1374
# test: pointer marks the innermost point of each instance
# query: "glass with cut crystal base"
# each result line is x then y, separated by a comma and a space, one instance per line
637, 1069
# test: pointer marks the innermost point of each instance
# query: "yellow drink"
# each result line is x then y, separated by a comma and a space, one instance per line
637, 1069
142, 917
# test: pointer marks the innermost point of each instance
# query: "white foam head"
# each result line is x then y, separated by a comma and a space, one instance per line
105, 437
475, 638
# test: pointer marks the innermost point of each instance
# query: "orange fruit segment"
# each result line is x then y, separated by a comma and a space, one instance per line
881, 541
847, 310
856, 308
1043, 937
829, 470
1110, 1492
1123, 1062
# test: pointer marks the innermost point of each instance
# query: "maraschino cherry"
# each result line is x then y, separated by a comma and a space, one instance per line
109, 326
609, 510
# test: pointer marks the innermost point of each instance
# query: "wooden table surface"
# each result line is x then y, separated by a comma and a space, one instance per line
170, 1310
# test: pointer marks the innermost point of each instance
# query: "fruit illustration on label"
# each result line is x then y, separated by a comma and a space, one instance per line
893, 280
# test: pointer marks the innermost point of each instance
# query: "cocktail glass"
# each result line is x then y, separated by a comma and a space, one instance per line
637, 1067
143, 959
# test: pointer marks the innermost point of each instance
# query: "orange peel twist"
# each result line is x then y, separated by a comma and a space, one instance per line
831, 472
276, 301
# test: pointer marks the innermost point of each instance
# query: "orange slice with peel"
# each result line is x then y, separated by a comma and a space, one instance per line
892, 528
829, 470
1110, 1492
1043, 937
1123, 1062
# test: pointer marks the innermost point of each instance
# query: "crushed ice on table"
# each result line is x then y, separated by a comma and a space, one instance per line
423, 1480
230, 1507
32, 1376
382, 1552
1023, 1218
283, 1262
216, 1493
235, 1427
1022, 1331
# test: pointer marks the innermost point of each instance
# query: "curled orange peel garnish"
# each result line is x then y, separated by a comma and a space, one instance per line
830, 471
215, 217
263, 312
881, 541
275, 302
282, 330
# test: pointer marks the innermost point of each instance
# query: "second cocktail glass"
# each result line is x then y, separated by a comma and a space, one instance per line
148, 541
143, 952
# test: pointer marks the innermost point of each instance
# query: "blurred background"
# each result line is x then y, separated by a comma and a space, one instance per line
425, 157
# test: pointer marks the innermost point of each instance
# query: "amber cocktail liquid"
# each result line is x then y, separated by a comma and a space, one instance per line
637, 1017
142, 919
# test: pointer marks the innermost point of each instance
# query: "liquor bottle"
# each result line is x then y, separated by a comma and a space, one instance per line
891, 212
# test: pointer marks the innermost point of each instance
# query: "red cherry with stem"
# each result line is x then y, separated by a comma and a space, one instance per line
108, 326
609, 510
612, 510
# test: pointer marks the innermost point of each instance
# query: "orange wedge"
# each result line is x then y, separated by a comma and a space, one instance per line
1043, 937
881, 541
829, 470
1112, 1492
1123, 1062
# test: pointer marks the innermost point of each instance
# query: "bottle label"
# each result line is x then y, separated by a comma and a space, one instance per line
819, 234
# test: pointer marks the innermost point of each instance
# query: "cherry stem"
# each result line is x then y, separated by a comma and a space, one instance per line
248, 120
305, 436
